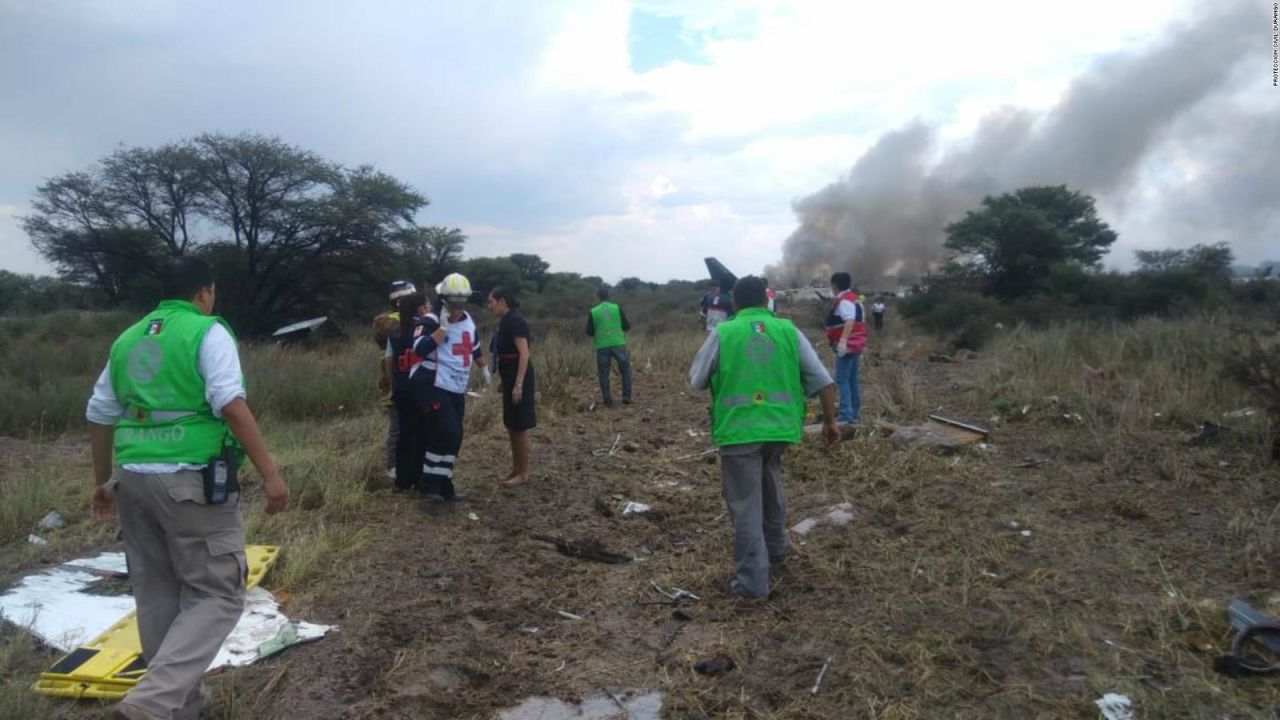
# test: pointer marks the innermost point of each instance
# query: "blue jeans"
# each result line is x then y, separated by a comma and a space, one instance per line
847, 384
604, 356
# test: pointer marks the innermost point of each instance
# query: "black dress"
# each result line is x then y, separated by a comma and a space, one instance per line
521, 415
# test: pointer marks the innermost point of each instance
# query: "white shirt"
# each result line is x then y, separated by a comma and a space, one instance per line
848, 310
218, 362
878, 307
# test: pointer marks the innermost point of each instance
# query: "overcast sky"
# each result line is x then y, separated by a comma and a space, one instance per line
610, 137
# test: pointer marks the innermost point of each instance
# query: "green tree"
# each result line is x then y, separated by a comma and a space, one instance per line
486, 273
430, 253
291, 234
533, 269
1015, 241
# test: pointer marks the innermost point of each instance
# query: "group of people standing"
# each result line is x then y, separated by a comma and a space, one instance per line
429, 351
169, 425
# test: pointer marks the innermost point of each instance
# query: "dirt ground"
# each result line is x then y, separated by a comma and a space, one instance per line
1023, 580
1020, 580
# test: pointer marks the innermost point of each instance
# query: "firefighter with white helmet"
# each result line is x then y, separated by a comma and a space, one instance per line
446, 343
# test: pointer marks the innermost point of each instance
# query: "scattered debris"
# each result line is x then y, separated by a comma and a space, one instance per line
635, 706
699, 454
940, 358
1210, 430
1115, 707
305, 329
682, 614
37, 540
1250, 625
568, 615
531, 629
472, 516
635, 508
939, 432
1026, 533
630, 447
676, 594
52, 521
1030, 462
716, 665
584, 550
838, 515
817, 684
56, 605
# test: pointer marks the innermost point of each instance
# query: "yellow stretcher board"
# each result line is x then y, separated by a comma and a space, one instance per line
108, 666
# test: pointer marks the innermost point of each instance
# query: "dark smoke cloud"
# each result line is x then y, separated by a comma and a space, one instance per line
889, 212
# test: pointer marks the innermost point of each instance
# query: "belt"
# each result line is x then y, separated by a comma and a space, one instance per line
508, 356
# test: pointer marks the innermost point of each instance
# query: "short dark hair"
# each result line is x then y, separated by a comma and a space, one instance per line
183, 277
506, 295
842, 280
748, 292
602, 292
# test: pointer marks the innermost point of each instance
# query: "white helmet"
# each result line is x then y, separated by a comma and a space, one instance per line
454, 287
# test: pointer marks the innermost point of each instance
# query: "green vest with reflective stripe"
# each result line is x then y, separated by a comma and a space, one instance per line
756, 391
606, 320
155, 374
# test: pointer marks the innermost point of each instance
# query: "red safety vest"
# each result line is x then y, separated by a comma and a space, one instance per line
857, 340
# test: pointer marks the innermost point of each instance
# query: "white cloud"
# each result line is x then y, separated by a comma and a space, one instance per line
525, 123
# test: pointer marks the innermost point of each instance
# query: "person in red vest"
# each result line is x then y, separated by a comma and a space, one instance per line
846, 328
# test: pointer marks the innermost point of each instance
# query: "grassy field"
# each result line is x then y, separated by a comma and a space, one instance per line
933, 603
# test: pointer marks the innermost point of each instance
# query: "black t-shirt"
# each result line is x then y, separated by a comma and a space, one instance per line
512, 326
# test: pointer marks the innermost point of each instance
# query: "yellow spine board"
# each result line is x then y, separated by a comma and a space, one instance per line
108, 666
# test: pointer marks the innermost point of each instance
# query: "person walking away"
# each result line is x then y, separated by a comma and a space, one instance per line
448, 348
715, 306
401, 364
846, 330
384, 324
607, 324
877, 314
759, 368
168, 426
510, 347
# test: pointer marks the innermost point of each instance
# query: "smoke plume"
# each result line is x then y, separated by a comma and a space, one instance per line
889, 212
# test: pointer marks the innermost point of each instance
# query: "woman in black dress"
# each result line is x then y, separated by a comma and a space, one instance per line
510, 349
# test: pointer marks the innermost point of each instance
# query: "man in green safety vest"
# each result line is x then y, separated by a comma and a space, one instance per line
608, 325
760, 369
168, 425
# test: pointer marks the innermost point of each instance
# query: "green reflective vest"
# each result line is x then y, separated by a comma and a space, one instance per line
756, 391
606, 319
156, 377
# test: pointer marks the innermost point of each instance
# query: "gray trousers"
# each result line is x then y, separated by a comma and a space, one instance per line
752, 486
604, 358
188, 571
393, 436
